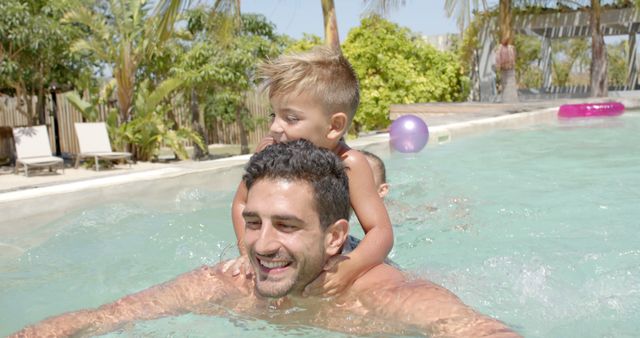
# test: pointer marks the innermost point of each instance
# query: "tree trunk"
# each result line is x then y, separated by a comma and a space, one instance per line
509, 86
216, 130
125, 75
41, 102
22, 102
197, 121
598, 54
244, 141
506, 58
41, 105
331, 37
28, 100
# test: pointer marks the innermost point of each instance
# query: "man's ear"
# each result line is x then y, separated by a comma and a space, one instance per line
335, 236
383, 190
339, 123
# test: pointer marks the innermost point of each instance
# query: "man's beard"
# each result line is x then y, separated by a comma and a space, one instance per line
305, 272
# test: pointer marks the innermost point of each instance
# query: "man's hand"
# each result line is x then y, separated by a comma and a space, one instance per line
338, 274
240, 265
265, 142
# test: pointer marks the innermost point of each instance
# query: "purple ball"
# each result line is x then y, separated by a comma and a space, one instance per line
408, 134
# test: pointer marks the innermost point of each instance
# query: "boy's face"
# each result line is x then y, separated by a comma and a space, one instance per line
300, 116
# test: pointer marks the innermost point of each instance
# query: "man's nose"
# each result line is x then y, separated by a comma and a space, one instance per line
267, 243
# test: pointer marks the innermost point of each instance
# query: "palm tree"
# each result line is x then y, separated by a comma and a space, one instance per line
506, 54
331, 36
125, 40
463, 10
382, 7
598, 53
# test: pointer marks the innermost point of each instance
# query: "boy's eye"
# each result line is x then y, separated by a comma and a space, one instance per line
272, 116
292, 118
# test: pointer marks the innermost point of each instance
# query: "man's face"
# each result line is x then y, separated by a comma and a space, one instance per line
297, 117
283, 236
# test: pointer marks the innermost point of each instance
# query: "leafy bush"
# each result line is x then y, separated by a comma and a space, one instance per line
396, 67
150, 128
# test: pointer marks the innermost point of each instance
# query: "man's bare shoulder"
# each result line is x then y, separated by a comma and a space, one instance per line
389, 293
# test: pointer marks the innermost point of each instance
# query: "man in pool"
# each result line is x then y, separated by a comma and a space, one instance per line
296, 227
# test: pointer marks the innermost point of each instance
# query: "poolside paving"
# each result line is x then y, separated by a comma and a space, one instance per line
445, 120
438, 114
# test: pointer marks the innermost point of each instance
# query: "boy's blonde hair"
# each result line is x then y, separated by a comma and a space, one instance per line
322, 72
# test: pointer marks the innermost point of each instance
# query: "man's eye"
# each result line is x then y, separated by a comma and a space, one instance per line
287, 227
292, 118
253, 225
272, 116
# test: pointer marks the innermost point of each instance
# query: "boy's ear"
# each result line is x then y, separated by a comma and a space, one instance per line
339, 122
335, 236
383, 190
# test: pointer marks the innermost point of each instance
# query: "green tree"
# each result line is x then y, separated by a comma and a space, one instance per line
567, 55
123, 35
34, 51
395, 66
222, 71
617, 63
129, 38
307, 42
528, 69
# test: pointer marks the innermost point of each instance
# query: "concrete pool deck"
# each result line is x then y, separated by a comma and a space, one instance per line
22, 196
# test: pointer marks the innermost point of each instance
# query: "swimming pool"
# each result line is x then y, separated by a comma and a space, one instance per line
537, 227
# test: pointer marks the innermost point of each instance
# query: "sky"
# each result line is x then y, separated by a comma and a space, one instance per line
295, 17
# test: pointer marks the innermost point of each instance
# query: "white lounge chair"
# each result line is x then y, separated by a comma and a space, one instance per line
94, 142
33, 149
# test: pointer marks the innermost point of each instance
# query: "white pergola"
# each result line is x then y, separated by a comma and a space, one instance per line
557, 25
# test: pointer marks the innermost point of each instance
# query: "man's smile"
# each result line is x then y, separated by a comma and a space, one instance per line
273, 266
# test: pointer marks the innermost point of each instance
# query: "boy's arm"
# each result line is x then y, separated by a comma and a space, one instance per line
239, 202
181, 295
372, 214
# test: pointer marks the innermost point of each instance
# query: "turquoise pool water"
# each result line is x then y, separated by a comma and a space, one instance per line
537, 227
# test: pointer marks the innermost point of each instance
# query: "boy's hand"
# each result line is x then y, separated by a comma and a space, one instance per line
238, 266
265, 142
339, 273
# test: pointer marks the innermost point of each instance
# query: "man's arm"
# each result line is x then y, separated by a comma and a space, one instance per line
432, 309
181, 295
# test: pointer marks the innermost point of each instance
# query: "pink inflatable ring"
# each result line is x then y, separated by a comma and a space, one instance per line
591, 109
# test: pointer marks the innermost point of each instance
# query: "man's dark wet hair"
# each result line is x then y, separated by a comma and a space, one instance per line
300, 160
380, 169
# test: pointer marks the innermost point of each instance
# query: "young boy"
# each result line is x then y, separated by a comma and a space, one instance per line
379, 173
314, 96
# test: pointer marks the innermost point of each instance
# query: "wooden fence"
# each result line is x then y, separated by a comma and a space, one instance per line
225, 133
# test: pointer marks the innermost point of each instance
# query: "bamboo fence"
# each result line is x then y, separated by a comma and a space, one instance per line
67, 115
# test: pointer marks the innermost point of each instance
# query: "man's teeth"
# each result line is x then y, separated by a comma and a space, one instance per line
273, 265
